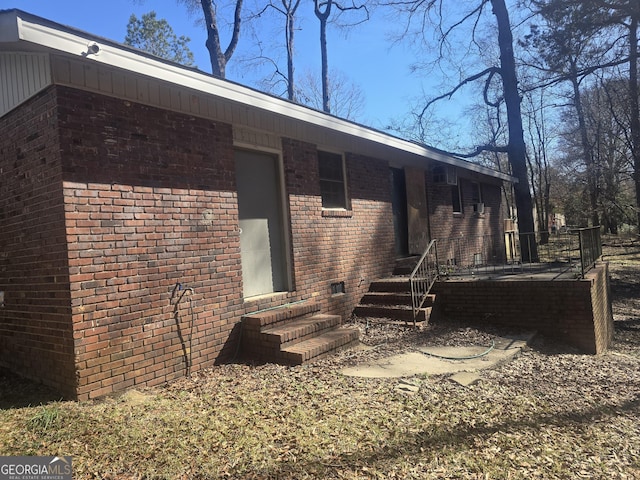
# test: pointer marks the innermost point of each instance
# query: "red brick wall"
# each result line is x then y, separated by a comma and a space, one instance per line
354, 247
149, 204
35, 323
574, 311
445, 224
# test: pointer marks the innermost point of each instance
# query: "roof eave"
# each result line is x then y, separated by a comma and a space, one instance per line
16, 25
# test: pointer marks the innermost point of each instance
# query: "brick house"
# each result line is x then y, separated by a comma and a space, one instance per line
127, 181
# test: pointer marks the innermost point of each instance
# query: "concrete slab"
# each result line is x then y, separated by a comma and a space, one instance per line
465, 378
443, 360
409, 387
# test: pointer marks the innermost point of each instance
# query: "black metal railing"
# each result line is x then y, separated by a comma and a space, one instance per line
590, 247
574, 250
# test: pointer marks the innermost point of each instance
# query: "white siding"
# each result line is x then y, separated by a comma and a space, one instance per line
22, 75
253, 138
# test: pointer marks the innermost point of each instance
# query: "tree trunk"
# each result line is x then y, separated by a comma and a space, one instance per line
592, 174
289, 32
218, 64
516, 146
634, 107
217, 57
547, 205
324, 18
325, 67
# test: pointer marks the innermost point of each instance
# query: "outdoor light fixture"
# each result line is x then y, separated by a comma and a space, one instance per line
92, 49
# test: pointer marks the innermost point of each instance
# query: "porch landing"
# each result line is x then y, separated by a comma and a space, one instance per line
551, 298
545, 272
573, 310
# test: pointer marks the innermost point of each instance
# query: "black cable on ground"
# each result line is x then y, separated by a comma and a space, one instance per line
469, 357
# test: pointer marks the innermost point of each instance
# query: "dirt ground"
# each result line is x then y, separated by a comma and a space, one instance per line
624, 263
622, 254
550, 413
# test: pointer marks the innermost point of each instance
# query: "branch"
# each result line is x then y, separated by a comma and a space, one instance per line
483, 148
563, 77
491, 71
487, 84
353, 6
236, 31
477, 10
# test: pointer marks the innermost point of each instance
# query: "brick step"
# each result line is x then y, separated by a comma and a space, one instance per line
296, 331
320, 345
270, 318
392, 284
274, 335
392, 298
394, 312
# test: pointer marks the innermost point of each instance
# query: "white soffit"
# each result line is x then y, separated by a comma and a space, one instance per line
40, 32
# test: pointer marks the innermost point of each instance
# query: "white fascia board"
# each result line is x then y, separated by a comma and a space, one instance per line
116, 56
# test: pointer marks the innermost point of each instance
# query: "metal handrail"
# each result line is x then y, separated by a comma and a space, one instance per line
576, 249
422, 278
590, 247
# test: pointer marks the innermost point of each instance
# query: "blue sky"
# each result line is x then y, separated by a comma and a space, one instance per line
366, 56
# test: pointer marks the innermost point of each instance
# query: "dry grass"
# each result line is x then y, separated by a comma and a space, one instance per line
550, 413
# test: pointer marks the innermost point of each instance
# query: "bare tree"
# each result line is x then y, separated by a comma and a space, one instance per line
288, 9
538, 159
323, 10
346, 98
510, 94
218, 56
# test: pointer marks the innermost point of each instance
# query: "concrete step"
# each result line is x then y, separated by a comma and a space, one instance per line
393, 312
299, 330
392, 298
321, 345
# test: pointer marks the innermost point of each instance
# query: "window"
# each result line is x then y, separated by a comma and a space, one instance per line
332, 184
445, 174
337, 288
476, 198
456, 199
439, 174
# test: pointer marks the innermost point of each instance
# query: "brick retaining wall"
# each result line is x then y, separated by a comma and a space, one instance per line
577, 312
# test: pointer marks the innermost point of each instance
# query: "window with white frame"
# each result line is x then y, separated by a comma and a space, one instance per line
332, 180
476, 197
